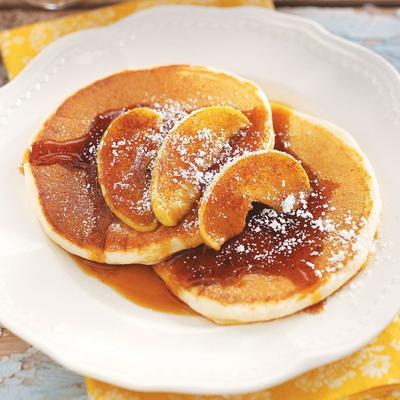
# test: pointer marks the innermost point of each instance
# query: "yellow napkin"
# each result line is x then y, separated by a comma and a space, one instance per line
371, 373
19, 45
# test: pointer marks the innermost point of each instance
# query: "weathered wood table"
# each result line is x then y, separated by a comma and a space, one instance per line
26, 373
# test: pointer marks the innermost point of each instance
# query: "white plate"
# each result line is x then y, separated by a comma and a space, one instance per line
88, 327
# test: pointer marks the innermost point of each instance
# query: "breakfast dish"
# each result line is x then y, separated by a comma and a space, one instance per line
88, 326
246, 213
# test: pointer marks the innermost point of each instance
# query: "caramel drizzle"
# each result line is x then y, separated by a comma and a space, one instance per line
80, 152
203, 265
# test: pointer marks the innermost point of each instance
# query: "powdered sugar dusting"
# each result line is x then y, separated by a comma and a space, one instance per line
288, 203
196, 154
303, 244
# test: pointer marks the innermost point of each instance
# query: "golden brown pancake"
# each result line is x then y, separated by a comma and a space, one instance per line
62, 179
284, 262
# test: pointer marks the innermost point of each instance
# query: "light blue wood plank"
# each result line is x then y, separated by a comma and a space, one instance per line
32, 375
378, 32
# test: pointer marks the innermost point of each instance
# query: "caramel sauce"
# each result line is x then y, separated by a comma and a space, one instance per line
137, 283
201, 265
316, 308
206, 266
78, 153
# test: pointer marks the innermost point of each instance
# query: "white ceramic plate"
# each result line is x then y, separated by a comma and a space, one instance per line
88, 327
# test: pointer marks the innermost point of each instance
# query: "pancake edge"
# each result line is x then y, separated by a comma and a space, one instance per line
149, 254
226, 314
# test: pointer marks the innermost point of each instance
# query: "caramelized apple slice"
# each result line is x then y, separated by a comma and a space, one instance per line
182, 164
273, 178
125, 152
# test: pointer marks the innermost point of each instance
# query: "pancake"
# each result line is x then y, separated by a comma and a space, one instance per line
61, 171
283, 263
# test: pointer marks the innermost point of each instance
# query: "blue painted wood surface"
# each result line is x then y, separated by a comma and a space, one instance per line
378, 31
33, 376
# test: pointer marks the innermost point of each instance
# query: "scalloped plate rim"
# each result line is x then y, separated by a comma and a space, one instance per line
301, 365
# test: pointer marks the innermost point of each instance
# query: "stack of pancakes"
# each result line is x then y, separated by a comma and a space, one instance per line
102, 174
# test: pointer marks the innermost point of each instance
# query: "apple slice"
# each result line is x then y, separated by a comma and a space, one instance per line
271, 177
124, 155
182, 165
